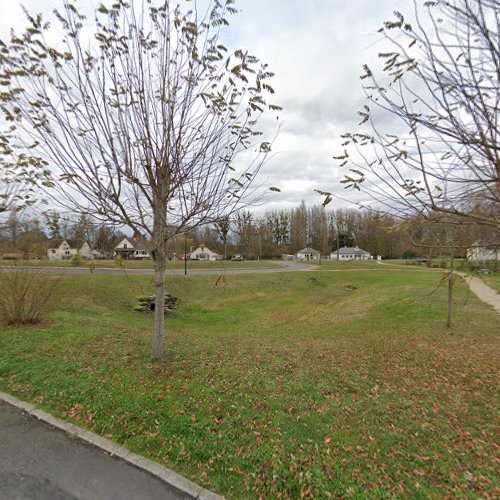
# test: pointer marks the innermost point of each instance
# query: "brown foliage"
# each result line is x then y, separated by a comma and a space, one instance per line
26, 297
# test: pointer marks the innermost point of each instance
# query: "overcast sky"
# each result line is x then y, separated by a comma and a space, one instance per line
317, 49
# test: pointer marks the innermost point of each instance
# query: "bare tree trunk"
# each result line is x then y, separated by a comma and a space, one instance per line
450, 292
158, 346
160, 258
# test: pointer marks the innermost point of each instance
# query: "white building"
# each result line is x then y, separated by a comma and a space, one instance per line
308, 254
204, 253
479, 253
65, 249
350, 253
132, 248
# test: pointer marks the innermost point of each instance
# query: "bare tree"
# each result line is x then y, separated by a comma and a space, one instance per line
299, 237
144, 114
430, 138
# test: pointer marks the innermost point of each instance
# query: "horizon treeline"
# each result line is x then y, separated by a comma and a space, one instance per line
269, 235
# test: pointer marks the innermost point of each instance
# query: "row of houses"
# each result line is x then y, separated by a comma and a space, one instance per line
128, 248
138, 249
476, 253
134, 248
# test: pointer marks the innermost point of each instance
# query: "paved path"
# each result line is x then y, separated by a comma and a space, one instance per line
38, 462
477, 286
483, 291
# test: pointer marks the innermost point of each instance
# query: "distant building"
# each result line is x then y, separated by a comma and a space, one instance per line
132, 249
204, 253
483, 253
308, 254
350, 253
65, 249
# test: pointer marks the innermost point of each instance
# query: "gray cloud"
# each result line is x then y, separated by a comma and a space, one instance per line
317, 49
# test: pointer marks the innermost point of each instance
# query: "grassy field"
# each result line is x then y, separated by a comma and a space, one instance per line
357, 264
315, 383
493, 281
147, 264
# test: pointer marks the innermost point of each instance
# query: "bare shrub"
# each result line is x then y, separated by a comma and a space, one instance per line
26, 297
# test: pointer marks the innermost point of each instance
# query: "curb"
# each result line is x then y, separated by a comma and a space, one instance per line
157, 470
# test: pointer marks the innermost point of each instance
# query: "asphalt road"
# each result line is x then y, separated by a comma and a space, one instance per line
38, 462
286, 267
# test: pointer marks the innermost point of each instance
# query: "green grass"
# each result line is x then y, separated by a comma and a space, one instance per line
314, 383
147, 264
351, 265
493, 281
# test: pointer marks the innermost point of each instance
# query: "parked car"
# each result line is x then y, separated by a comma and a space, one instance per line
237, 258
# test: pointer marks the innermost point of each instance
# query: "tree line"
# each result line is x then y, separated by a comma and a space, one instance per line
255, 235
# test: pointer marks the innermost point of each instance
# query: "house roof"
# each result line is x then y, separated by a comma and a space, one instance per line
351, 250
57, 242
139, 243
136, 242
204, 249
308, 250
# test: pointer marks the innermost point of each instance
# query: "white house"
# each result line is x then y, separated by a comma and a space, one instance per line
132, 248
479, 253
204, 253
65, 249
308, 254
350, 253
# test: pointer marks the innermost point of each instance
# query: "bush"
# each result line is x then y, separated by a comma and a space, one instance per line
76, 260
408, 254
25, 297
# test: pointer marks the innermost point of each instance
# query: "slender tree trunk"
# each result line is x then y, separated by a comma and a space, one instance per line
158, 346
160, 260
450, 292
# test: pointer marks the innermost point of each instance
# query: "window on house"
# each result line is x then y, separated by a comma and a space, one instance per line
124, 245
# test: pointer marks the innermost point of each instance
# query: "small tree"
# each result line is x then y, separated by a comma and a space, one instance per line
150, 122
440, 88
76, 260
222, 226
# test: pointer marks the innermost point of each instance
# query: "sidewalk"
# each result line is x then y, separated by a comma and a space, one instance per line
40, 462
483, 291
